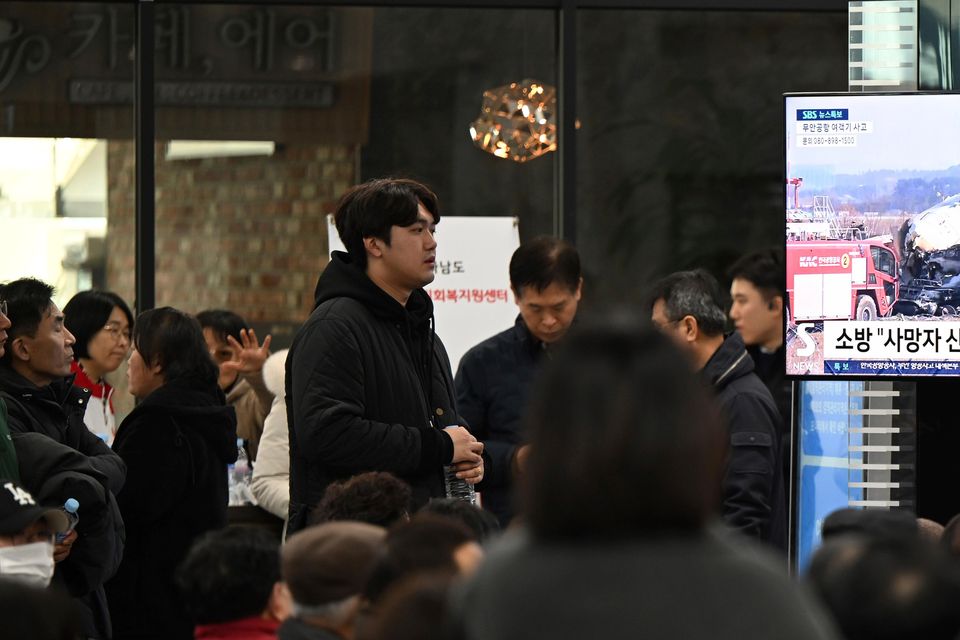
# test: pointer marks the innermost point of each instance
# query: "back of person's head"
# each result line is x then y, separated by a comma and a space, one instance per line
28, 301
372, 208
30, 613
482, 523
174, 340
929, 530
764, 270
375, 497
415, 609
223, 323
616, 410
693, 293
87, 313
326, 566
542, 262
229, 574
888, 588
425, 543
872, 523
950, 538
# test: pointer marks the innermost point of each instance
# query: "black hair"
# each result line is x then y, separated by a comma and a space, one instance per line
425, 543
483, 523
633, 416
28, 301
764, 270
174, 340
416, 608
229, 574
889, 587
30, 613
375, 497
372, 208
543, 261
223, 323
87, 313
691, 293
872, 523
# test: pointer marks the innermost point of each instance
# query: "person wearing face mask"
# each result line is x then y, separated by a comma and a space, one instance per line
101, 322
26, 536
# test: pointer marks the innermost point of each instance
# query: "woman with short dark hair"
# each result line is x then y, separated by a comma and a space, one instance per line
177, 444
101, 322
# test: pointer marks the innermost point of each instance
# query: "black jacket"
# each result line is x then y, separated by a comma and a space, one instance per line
753, 495
367, 380
54, 472
56, 411
177, 444
493, 383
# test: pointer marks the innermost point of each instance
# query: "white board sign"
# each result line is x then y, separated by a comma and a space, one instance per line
471, 293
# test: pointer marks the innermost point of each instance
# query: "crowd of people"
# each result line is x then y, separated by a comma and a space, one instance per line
632, 466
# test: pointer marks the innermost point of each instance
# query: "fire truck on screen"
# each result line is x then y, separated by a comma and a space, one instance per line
841, 279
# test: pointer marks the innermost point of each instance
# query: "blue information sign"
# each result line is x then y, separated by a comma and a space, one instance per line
824, 463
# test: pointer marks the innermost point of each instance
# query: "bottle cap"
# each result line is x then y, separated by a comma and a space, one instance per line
71, 505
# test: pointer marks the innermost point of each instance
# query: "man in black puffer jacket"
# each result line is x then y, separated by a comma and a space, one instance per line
368, 384
36, 385
687, 306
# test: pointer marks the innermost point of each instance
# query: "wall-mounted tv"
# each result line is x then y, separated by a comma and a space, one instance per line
872, 199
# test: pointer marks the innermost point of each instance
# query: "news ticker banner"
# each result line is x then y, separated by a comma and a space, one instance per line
896, 347
471, 289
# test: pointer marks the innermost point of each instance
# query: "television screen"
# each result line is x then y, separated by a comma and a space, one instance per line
873, 234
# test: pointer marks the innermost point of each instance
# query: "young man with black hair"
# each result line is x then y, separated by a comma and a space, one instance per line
368, 385
758, 298
687, 306
235, 348
494, 377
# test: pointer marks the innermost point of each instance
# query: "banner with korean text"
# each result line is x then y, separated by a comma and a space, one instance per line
471, 292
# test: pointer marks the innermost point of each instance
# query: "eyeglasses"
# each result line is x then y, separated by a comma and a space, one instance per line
115, 331
3, 307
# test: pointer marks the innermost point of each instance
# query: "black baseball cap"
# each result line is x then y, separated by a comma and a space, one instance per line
18, 510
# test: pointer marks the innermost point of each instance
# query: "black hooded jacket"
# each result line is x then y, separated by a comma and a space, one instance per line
367, 382
56, 411
177, 444
754, 500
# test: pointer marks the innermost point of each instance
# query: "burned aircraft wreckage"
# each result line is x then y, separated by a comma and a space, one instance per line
929, 244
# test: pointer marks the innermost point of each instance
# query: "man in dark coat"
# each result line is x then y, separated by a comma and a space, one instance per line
494, 377
368, 384
36, 385
758, 294
687, 306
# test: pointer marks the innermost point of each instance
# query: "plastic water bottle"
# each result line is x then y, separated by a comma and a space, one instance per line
239, 477
70, 508
458, 487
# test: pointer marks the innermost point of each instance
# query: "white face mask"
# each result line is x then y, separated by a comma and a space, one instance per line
30, 564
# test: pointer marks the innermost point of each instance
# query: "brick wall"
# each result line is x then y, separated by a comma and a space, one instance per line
247, 234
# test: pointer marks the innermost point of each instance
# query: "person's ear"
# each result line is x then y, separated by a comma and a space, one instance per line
373, 246
280, 604
690, 328
775, 304
19, 349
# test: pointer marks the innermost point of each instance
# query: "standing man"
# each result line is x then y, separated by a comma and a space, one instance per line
369, 386
58, 455
494, 376
687, 306
758, 294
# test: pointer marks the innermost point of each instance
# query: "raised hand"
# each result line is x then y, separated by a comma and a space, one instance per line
249, 354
